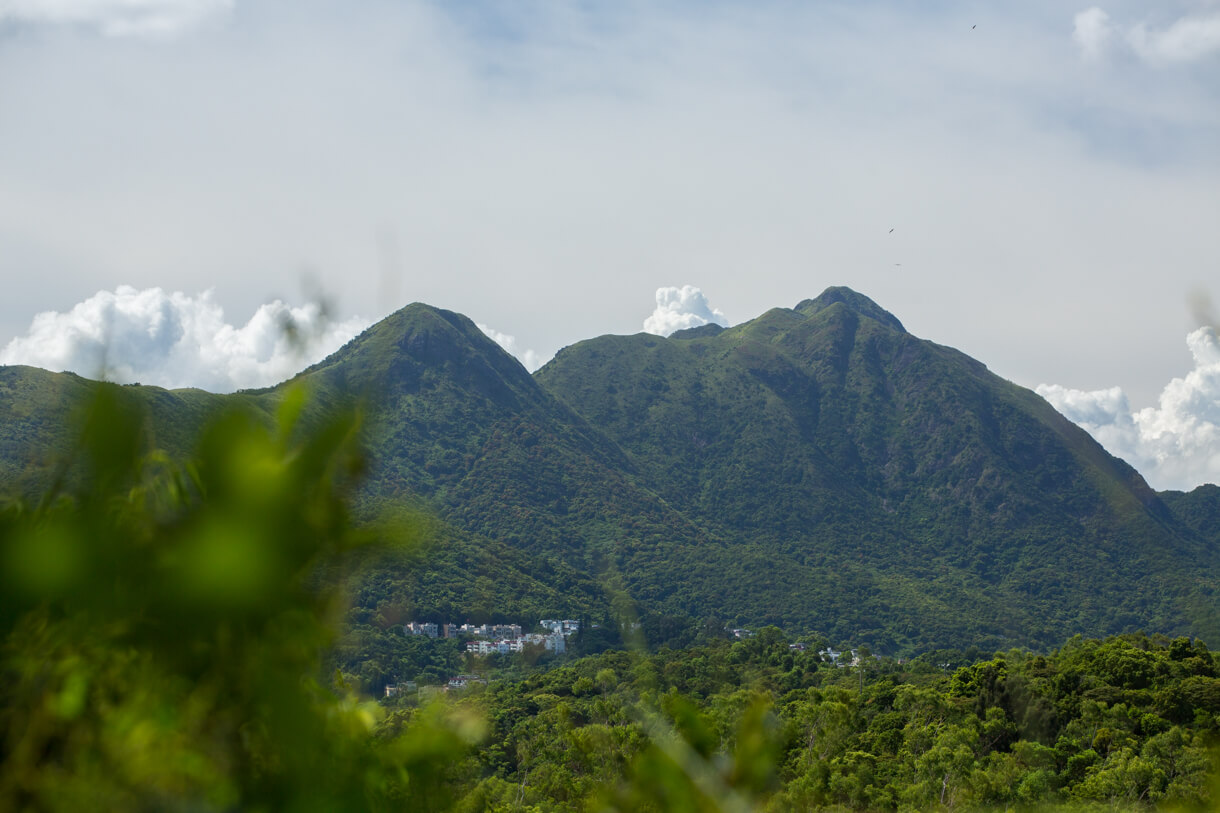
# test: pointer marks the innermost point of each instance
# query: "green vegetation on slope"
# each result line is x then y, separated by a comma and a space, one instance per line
866, 483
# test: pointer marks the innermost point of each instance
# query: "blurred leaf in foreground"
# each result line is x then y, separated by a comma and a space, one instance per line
163, 626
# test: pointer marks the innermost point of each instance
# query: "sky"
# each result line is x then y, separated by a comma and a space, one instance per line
1034, 183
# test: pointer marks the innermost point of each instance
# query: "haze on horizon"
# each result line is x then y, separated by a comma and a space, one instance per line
1035, 185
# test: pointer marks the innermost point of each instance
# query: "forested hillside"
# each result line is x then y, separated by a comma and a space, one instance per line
882, 476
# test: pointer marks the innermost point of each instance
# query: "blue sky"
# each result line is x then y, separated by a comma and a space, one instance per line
1050, 171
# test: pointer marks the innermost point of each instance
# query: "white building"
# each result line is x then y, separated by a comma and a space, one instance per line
553, 642
505, 646
492, 630
565, 627
481, 647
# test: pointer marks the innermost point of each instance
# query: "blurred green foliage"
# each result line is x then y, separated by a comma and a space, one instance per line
164, 625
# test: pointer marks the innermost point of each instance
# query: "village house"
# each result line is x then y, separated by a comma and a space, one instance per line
500, 638
492, 630
464, 681
421, 628
402, 687
504, 646
564, 627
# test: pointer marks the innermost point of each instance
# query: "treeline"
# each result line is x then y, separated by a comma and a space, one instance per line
1125, 723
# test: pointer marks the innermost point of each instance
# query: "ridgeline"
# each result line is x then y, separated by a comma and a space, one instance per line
817, 468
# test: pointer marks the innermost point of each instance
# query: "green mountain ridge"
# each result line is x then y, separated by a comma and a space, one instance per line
817, 467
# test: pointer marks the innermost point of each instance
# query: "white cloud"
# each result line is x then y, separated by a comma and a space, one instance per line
1092, 32
177, 340
1175, 444
529, 358
1187, 39
118, 18
679, 308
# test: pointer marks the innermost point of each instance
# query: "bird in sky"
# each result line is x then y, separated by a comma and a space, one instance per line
891, 231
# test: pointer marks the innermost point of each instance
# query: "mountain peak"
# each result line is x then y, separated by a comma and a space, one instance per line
859, 303
424, 333
420, 346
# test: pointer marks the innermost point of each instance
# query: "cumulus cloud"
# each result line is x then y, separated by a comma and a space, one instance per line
117, 18
679, 308
529, 358
1175, 444
178, 340
1187, 39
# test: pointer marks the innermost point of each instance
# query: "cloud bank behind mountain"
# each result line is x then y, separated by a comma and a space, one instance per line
177, 340
1175, 444
680, 308
181, 340
531, 360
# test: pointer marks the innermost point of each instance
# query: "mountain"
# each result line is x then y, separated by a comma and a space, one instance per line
39, 411
818, 467
456, 420
889, 482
